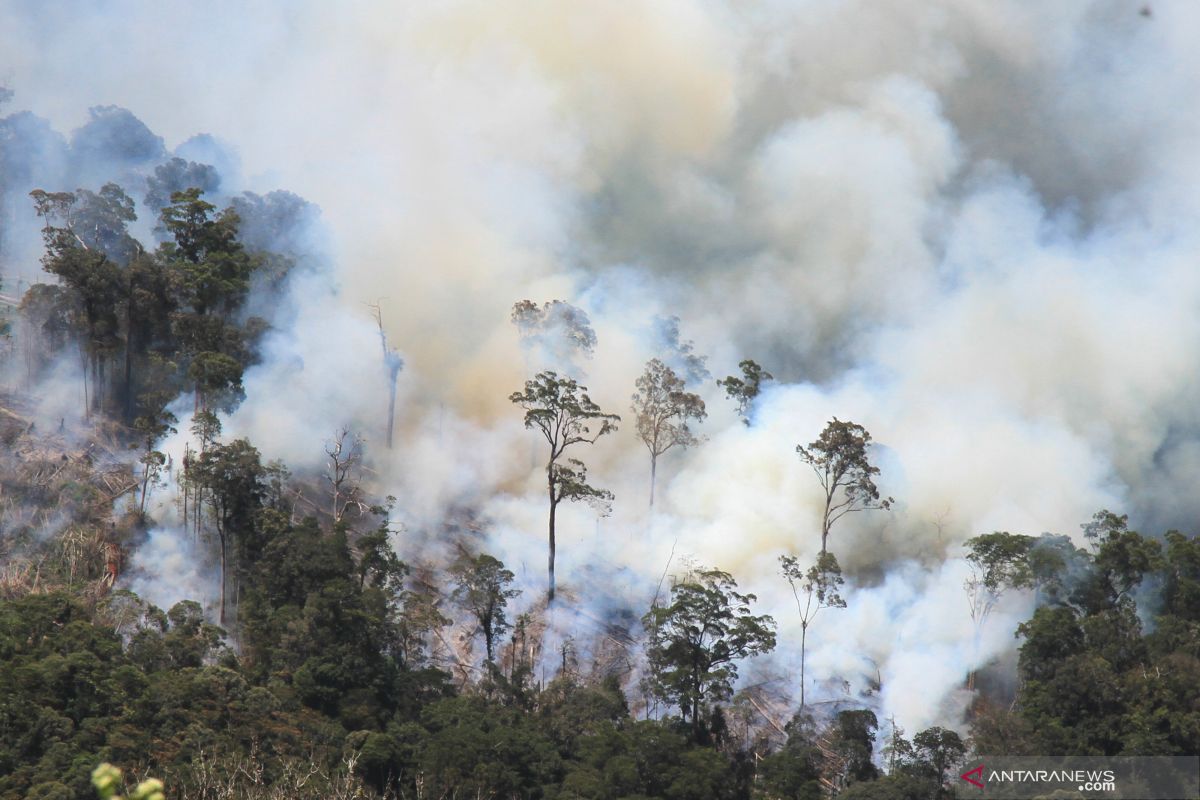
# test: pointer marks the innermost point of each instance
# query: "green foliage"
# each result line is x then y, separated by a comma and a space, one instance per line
745, 389
795, 770
842, 464
106, 779
481, 587
696, 641
820, 586
662, 408
557, 327
561, 410
1093, 681
853, 742
175, 306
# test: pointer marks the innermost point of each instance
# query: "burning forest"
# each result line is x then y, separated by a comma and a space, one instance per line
680, 400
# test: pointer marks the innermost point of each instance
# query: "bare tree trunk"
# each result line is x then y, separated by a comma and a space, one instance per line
803, 643
553, 508
145, 485
184, 480
974, 655
391, 411
83, 362
101, 380
129, 357
653, 476
221, 535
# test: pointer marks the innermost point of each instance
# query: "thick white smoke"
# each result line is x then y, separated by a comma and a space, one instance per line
969, 226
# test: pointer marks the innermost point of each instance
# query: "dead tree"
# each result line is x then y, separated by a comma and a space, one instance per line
392, 364
345, 454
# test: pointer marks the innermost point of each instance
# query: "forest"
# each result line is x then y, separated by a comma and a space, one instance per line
662, 416
322, 671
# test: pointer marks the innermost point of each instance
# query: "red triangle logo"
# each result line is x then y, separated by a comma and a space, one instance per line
966, 776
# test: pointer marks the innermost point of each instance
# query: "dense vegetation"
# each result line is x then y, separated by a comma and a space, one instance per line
317, 675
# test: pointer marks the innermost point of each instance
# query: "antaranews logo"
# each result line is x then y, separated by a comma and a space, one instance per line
977, 772
1119, 778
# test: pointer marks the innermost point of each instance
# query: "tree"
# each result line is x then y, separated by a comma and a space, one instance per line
87, 250
998, 561
210, 271
851, 745
679, 353
1121, 560
152, 426
745, 389
938, 750
839, 458
558, 329
232, 477
561, 410
345, 454
177, 175
696, 641
218, 380
819, 585
662, 409
392, 365
481, 587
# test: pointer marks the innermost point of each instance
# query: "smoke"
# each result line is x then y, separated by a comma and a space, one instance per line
968, 226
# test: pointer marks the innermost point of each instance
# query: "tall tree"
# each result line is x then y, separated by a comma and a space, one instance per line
482, 588
998, 562
1121, 559
87, 245
232, 477
662, 408
211, 271
561, 410
696, 641
393, 363
819, 585
152, 427
842, 464
745, 389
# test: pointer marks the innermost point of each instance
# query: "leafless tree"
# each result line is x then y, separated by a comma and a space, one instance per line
345, 457
392, 364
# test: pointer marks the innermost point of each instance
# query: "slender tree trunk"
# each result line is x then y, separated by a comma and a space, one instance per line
101, 380
221, 535
184, 480
87, 406
391, 411
803, 642
974, 655
129, 357
653, 476
145, 485
553, 508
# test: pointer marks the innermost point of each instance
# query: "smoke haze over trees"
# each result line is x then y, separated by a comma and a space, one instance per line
232, 537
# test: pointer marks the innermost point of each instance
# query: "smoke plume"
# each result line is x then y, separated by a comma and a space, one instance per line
968, 225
